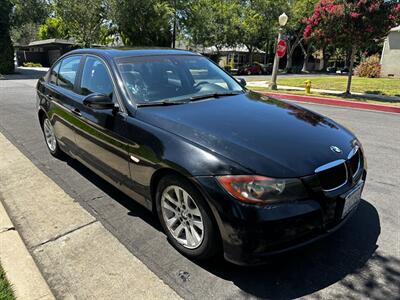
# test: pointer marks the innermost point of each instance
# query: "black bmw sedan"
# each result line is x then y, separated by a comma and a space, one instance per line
223, 168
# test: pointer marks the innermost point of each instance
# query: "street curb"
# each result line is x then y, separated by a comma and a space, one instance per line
78, 257
334, 102
21, 271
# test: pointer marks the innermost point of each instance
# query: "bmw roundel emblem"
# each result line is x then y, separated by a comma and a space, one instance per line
336, 149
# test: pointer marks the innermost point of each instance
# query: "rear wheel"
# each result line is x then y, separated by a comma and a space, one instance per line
50, 138
186, 218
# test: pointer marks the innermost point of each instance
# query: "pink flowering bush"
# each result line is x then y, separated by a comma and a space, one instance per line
351, 23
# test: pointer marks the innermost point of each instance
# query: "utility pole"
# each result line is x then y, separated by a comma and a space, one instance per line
174, 28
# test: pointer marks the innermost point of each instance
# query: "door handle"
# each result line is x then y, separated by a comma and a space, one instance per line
76, 111
50, 97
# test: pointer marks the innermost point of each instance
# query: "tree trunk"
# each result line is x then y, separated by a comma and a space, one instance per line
306, 56
288, 57
250, 55
348, 89
324, 59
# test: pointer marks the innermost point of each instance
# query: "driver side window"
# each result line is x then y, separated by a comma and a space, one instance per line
95, 78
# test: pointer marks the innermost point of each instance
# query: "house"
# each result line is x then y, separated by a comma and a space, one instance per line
390, 60
232, 57
45, 52
236, 57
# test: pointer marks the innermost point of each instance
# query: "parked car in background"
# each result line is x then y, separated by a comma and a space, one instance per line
219, 165
255, 68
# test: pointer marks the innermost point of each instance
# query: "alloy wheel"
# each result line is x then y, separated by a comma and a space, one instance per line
49, 135
182, 217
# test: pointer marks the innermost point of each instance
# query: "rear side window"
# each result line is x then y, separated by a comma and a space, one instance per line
54, 73
95, 78
68, 72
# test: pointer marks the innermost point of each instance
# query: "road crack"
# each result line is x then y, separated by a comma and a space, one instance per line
5, 229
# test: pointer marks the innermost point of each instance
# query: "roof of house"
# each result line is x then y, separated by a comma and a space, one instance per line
238, 48
51, 41
395, 28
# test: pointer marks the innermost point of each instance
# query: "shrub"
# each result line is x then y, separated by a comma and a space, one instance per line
370, 67
32, 65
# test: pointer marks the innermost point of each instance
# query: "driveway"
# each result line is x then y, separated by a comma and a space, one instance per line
361, 260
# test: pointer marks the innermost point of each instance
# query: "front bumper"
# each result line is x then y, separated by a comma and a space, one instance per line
251, 233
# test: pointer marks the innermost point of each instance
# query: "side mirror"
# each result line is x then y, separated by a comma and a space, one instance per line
98, 101
242, 82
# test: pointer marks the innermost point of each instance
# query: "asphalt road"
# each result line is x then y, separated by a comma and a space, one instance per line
361, 260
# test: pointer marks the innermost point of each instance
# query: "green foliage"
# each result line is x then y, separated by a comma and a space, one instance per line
370, 67
25, 33
25, 19
143, 23
53, 28
6, 48
6, 292
32, 65
29, 11
351, 24
83, 19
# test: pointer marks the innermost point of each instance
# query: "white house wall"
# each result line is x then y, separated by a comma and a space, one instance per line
391, 55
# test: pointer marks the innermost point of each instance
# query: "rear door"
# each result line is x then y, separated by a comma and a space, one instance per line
100, 134
62, 98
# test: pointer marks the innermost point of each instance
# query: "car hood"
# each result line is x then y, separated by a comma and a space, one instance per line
264, 135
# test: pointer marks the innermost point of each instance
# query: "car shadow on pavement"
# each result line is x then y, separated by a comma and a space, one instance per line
349, 257
349, 252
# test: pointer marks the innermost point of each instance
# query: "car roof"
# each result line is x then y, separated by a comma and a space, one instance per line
128, 52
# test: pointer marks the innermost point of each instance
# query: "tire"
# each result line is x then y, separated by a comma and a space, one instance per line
50, 138
206, 243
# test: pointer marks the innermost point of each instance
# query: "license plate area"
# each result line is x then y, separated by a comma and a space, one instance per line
352, 199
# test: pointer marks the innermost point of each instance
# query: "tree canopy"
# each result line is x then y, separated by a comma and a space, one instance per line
351, 24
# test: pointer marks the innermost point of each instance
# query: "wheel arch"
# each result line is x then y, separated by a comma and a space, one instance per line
161, 173
41, 115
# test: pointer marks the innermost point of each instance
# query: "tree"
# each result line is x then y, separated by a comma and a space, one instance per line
25, 19
351, 24
143, 23
298, 11
24, 33
212, 23
82, 18
29, 11
252, 25
6, 48
53, 28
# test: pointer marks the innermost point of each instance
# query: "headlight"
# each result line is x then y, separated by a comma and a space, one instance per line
262, 190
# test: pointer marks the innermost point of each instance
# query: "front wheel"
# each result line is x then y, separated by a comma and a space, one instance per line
186, 218
50, 138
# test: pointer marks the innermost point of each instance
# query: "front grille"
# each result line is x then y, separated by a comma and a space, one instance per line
355, 162
333, 177
337, 173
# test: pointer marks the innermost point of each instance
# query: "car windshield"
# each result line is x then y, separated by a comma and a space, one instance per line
174, 78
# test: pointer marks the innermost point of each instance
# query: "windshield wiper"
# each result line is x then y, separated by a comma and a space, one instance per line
161, 103
214, 95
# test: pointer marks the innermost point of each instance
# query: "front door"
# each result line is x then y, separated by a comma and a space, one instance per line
99, 136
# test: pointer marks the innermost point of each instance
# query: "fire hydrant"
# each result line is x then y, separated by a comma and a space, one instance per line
308, 86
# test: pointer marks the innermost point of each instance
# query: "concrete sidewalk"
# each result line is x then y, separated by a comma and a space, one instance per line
264, 84
77, 256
